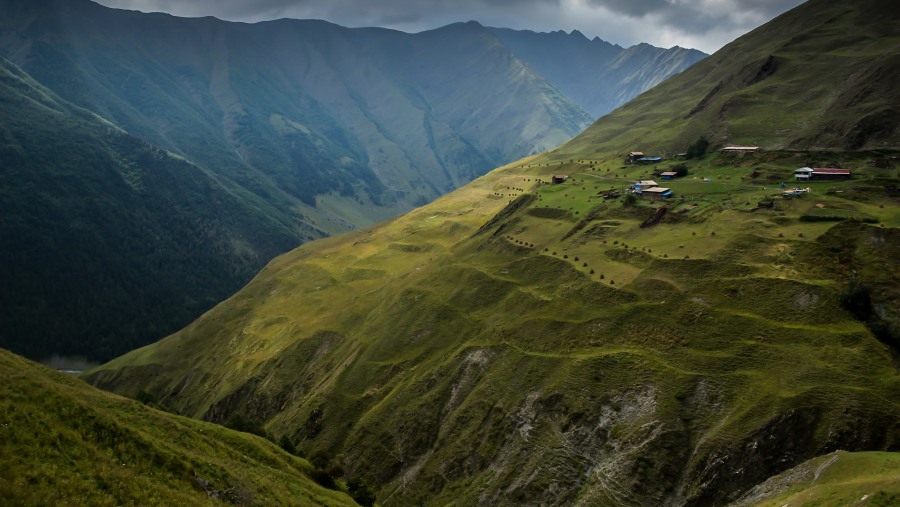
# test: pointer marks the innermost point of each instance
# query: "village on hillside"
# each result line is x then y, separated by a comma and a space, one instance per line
688, 201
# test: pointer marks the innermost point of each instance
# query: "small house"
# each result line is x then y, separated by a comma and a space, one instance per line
642, 185
740, 149
656, 193
668, 175
633, 156
803, 174
559, 178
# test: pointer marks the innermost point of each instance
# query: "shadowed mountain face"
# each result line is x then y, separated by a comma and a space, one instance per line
530, 339
101, 228
597, 75
265, 135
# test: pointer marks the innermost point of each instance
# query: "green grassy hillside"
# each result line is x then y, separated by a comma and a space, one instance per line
526, 342
523, 341
839, 478
818, 77
66, 443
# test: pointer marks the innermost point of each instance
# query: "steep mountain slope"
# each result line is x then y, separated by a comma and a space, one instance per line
496, 353
66, 443
109, 241
839, 478
818, 77
304, 128
526, 342
322, 112
597, 75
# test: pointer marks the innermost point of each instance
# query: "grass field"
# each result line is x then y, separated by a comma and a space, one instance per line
66, 443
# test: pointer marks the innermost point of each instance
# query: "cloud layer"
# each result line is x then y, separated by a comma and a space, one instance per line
702, 24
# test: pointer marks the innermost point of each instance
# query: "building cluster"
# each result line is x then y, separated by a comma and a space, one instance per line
649, 189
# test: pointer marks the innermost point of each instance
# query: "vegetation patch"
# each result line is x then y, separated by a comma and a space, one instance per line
836, 215
550, 213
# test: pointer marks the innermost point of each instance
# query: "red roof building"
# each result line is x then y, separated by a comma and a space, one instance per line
829, 170
822, 173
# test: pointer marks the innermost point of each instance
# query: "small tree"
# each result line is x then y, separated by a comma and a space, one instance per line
856, 298
360, 492
680, 170
698, 149
238, 422
286, 444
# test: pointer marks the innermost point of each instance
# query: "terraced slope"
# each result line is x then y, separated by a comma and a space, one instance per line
519, 341
66, 443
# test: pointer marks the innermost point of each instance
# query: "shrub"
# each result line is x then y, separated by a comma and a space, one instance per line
286, 444
856, 298
322, 478
240, 423
680, 170
145, 397
698, 149
360, 493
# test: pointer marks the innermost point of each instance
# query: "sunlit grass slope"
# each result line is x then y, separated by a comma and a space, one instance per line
520, 341
822, 76
63, 442
839, 478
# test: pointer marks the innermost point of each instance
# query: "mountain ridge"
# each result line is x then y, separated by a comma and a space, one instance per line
621, 78
314, 127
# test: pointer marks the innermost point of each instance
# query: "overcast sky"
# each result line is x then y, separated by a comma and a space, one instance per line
706, 25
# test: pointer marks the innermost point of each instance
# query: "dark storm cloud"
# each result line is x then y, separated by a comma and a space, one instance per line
631, 7
700, 16
703, 24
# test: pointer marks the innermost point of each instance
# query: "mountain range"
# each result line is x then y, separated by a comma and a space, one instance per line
545, 335
152, 164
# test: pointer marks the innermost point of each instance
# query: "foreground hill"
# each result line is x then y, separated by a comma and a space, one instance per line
291, 130
526, 342
66, 443
821, 76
